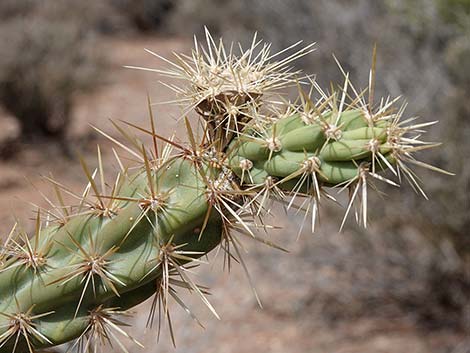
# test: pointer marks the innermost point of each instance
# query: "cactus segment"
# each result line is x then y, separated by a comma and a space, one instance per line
93, 259
338, 157
85, 265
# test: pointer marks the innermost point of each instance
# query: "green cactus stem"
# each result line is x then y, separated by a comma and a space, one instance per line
86, 264
67, 271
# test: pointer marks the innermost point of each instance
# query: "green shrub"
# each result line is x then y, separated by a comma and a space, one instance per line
45, 61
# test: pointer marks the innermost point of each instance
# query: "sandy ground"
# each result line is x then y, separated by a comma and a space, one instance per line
290, 320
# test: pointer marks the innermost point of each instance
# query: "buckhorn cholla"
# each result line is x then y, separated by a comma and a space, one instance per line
120, 245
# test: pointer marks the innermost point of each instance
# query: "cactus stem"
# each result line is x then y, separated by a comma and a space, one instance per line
141, 236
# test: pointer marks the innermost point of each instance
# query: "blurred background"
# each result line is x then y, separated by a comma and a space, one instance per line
401, 286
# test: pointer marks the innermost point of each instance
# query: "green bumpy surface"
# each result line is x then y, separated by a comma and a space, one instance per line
339, 158
135, 241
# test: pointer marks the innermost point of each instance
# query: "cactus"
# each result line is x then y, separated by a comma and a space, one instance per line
87, 264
